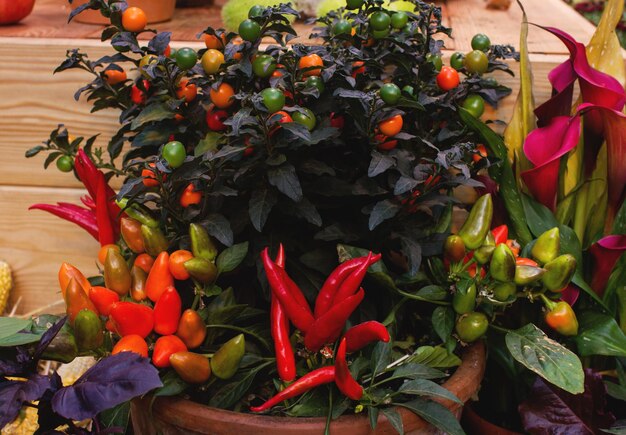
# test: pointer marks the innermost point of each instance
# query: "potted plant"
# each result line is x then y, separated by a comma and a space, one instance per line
274, 177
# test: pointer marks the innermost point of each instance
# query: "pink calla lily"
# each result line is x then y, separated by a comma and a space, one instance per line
544, 147
596, 87
605, 252
570, 294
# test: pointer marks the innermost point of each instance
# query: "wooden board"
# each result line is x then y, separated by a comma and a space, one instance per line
35, 243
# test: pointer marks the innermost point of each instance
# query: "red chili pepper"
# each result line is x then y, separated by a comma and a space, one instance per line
328, 327
321, 376
105, 227
167, 312
363, 334
500, 234
335, 279
130, 318
300, 316
351, 284
78, 215
343, 378
295, 291
285, 361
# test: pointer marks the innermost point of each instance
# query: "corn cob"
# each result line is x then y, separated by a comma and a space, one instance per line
24, 424
6, 284
71, 372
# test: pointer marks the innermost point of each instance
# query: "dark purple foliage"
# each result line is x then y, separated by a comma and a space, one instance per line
111, 381
550, 410
13, 395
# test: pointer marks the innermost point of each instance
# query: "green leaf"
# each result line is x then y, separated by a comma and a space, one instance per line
19, 339
372, 413
616, 391
172, 385
34, 151
232, 257
443, 322
347, 252
432, 293
231, 392
395, 419
117, 417
600, 335
416, 371
423, 387
381, 357
436, 356
436, 414
152, 113
544, 356
12, 325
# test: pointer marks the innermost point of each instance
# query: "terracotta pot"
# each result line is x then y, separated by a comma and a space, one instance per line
474, 424
156, 10
173, 416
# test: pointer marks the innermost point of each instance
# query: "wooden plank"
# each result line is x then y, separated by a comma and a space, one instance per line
468, 17
35, 243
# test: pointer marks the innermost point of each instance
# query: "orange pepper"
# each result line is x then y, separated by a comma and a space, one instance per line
144, 262
159, 277
103, 298
177, 260
116, 273
515, 247
521, 261
77, 300
129, 318
191, 329
102, 253
138, 284
167, 312
131, 233
131, 343
66, 273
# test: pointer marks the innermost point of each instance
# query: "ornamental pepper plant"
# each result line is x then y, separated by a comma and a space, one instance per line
264, 252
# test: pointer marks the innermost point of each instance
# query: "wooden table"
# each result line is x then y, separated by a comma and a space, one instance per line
34, 101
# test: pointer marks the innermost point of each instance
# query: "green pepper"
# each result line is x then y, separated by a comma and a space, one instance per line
525, 275
464, 302
88, 331
559, 272
503, 291
483, 254
116, 273
547, 246
153, 240
226, 360
201, 244
454, 248
202, 270
138, 212
502, 264
471, 326
476, 227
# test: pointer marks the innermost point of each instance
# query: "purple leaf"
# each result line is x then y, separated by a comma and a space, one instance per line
550, 410
111, 381
47, 338
544, 148
13, 395
605, 252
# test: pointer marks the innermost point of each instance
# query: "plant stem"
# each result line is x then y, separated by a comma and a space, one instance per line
244, 331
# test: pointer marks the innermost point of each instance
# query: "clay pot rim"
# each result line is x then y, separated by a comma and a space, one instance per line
463, 383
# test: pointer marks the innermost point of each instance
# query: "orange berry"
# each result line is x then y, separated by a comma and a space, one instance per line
113, 76
222, 97
311, 61
190, 196
134, 19
391, 126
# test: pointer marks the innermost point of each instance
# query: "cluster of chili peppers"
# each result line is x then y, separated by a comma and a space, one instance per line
493, 262
100, 216
336, 301
141, 304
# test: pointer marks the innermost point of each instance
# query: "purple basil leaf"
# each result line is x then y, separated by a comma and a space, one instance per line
13, 395
548, 407
47, 419
111, 381
47, 338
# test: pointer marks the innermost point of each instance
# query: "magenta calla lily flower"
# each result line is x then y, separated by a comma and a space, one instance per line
570, 294
544, 148
596, 87
605, 252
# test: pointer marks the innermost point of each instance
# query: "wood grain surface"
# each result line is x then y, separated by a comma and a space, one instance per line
34, 101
